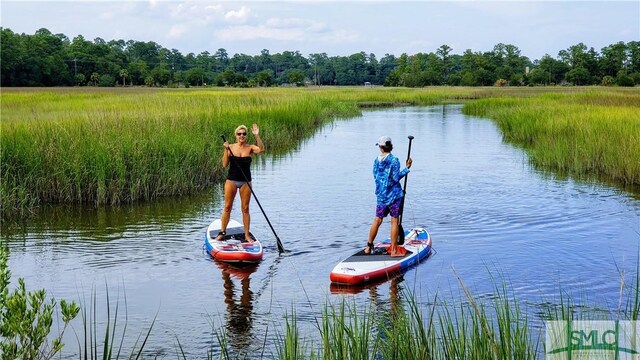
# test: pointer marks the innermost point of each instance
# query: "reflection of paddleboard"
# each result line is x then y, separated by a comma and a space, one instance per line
337, 288
238, 271
361, 268
234, 248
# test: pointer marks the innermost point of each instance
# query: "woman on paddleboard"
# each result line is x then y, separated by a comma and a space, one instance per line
387, 175
237, 157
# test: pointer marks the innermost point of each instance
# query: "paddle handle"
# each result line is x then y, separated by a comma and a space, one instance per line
404, 188
404, 193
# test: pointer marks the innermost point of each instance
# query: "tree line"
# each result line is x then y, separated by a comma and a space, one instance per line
46, 59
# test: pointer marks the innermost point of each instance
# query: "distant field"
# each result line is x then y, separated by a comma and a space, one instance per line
110, 146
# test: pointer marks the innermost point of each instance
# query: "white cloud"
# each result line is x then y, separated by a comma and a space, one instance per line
196, 13
239, 17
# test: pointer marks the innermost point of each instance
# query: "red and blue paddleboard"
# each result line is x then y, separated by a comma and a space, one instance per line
361, 268
234, 248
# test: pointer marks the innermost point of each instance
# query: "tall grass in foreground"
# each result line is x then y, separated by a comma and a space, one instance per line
592, 133
497, 328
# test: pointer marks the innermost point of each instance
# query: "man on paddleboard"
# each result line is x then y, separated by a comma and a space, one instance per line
387, 175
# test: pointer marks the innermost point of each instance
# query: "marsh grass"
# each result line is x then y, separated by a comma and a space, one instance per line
106, 147
347, 333
111, 148
587, 134
110, 342
495, 327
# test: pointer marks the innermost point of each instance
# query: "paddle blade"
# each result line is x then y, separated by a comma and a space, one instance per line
400, 235
280, 246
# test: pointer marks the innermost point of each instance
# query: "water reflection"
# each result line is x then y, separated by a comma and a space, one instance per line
238, 298
394, 297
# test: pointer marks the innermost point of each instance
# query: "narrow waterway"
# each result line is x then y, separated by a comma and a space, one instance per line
490, 215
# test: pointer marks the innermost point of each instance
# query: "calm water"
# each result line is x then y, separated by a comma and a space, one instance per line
489, 213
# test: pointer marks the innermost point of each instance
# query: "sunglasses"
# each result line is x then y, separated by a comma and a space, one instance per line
241, 134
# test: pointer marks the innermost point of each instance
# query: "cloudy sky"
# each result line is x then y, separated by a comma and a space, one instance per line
335, 27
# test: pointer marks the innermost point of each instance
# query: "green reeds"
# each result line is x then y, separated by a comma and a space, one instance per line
112, 147
476, 328
101, 146
290, 346
111, 344
593, 133
347, 333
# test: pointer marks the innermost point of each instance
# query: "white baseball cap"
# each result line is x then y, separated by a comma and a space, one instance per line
383, 140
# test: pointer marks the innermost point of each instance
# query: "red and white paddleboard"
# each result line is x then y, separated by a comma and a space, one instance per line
234, 248
361, 268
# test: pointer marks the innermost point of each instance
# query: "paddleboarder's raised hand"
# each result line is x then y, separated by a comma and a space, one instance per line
409, 162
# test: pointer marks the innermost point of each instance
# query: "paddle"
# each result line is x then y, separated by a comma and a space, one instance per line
404, 192
280, 246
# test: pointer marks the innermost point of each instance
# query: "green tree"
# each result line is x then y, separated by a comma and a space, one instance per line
94, 78
555, 69
264, 78
161, 74
296, 76
443, 53
634, 56
107, 80
386, 65
608, 80
578, 76
539, 76
138, 71
194, 76
613, 59
80, 80
123, 75
12, 58
583, 64
622, 79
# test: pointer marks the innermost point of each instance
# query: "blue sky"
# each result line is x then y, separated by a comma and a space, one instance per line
336, 27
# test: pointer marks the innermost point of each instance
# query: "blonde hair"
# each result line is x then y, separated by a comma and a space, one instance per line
241, 127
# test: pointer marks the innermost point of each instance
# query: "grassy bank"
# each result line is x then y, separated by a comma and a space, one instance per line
110, 146
592, 133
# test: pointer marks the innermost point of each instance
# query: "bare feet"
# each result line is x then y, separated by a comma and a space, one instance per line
220, 236
249, 238
399, 252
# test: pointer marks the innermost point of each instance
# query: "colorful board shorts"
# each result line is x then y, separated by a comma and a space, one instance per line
393, 209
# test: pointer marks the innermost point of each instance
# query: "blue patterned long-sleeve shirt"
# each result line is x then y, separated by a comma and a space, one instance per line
387, 175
